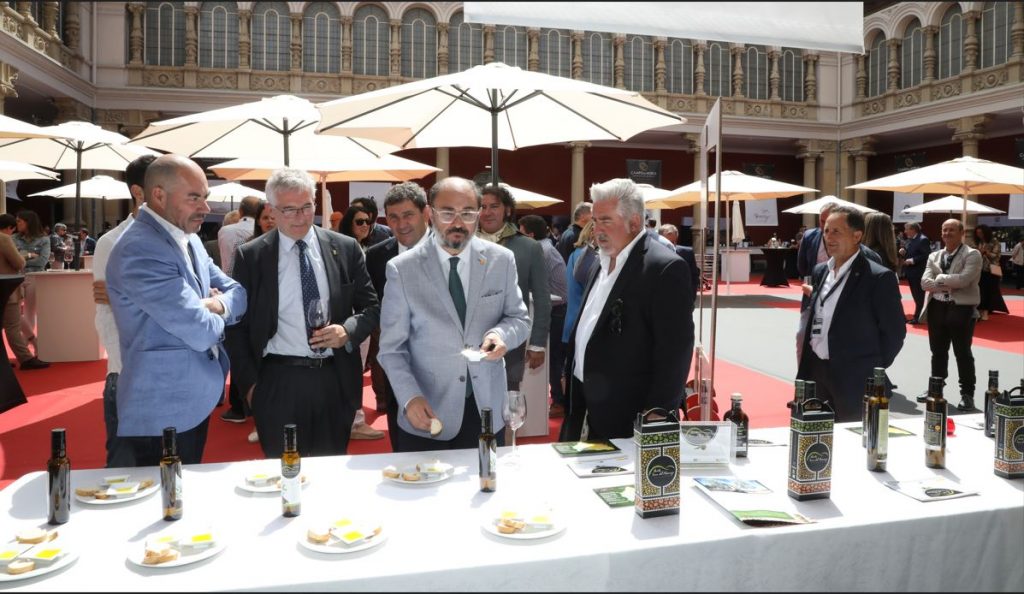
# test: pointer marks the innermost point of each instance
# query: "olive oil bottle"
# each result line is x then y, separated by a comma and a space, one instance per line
291, 480
935, 425
170, 475
990, 400
488, 454
878, 424
58, 469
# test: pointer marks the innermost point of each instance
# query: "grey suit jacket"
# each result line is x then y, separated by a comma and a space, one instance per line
961, 281
421, 338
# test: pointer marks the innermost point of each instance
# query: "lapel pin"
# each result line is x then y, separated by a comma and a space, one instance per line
481, 260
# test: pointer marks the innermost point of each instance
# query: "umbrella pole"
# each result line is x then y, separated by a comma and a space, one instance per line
728, 244
285, 135
494, 138
78, 192
325, 207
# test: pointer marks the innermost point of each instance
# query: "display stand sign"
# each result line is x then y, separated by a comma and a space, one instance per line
706, 443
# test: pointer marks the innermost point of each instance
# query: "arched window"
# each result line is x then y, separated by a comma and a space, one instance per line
218, 35
718, 68
371, 36
877, 58
679, 66
755, 72
951, 42
321, 38
995, 33
555, 52
465, 43
791, 74
165, 34
638, 54
598, 58
271, 36
912, 56
419, 44
510, 45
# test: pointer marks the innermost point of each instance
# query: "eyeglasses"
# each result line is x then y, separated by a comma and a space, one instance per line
447, 215
292, 212
361, 222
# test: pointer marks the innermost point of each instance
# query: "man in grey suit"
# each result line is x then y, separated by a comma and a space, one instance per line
451, 293
496, 214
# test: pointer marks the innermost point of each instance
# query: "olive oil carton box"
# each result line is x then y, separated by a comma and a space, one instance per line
657, 465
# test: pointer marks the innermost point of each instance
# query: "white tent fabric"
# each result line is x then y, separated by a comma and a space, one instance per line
833, 26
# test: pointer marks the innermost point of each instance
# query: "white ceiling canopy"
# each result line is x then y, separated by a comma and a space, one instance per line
832, 26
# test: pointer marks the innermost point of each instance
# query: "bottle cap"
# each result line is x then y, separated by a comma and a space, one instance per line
736, 396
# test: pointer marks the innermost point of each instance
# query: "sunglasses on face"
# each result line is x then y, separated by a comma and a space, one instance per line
361, 222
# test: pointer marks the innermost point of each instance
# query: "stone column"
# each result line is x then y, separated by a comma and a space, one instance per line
698, 68
69, 110
577, 55
1017, 31
533, 49
860, 150
396, 48
969, 131
25, 10
50, 17
700, 215
659, 66
929, 53
862, 78
773, 75
442, 48
971, 41
618, 43
73, 27
191, 37
8, 74
810, 159
443, 163
737, 51
346, 44
578, 193
893, 70
295, 43
811, 78
488, 44
135, 37
244, 40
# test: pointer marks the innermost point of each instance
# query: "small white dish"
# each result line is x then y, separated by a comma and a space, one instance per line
271, 487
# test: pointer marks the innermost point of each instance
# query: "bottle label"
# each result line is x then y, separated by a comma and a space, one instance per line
291, 487
883, 433
934, 431
741, 439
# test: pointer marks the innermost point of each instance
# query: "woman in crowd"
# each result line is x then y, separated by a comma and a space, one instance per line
577, 271
991, 297
357, 223
264, 220
34, 246
880, 236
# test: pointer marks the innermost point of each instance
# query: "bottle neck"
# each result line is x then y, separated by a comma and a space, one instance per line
58, 445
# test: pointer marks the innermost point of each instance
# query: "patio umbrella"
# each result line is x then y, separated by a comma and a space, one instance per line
963, 176
527, 200
952, 205
77, 146
14, 128
230, 192
12, 170
496, 106
735, 186
103, 187
652, 194
814, 206
738, 233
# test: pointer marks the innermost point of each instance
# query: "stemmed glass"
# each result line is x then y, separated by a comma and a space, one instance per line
69, 252
514, 414
318, 316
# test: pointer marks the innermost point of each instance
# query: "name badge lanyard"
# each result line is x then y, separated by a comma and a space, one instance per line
817, 321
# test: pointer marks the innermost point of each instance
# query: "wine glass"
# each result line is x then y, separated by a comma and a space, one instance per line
514, 414
318, 315
69, 253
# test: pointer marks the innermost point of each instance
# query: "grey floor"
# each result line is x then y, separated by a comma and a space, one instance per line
762, 338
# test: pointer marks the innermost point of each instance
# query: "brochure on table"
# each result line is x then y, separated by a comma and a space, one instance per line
933, 488
704, 443
749, 501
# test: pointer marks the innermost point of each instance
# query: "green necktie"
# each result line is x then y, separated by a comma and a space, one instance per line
455, 288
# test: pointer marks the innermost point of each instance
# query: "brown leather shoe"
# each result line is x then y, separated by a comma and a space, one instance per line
365, 431
557, 411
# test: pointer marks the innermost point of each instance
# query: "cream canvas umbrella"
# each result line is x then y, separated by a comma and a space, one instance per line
952, 205
12, 170
814, 206
527, 200
77, 146
15, 128
962, 176
735, 186
496, 106
102, 187
232, 192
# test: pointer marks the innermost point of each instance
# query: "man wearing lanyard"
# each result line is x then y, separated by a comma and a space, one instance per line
856, 321
950, 280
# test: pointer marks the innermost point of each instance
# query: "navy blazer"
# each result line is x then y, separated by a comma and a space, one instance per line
917, 249
807, 253
377, 258
686, 253
867, 331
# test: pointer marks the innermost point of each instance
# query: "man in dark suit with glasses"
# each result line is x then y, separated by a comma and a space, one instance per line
631, 347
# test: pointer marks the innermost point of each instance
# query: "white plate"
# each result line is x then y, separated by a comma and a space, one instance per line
490, 527
64, 561
141, 493
272, 488
436, 478
338, 548
139, 552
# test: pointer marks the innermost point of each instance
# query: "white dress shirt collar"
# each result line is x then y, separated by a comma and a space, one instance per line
623, 255
463, 266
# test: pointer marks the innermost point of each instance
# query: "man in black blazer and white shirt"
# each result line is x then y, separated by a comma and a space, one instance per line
290, 371
631, 347
856, 321
914, 254
405, 210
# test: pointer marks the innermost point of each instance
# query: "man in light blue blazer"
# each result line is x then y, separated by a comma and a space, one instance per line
171, 304
450, 293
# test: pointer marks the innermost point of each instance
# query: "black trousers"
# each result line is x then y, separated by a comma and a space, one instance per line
468, 436
949, 323
556, 354
826, 389
914, 280
147, 451
309, 397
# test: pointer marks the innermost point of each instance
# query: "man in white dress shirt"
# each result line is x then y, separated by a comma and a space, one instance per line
229, 237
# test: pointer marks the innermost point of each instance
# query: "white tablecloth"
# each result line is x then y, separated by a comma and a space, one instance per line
867, 537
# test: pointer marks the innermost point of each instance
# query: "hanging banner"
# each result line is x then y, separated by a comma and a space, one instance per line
762, 213
644, 171
902, 200
1014, 216
908, 161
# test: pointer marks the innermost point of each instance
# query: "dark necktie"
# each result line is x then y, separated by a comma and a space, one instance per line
455, 288
195, 265
310, 291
